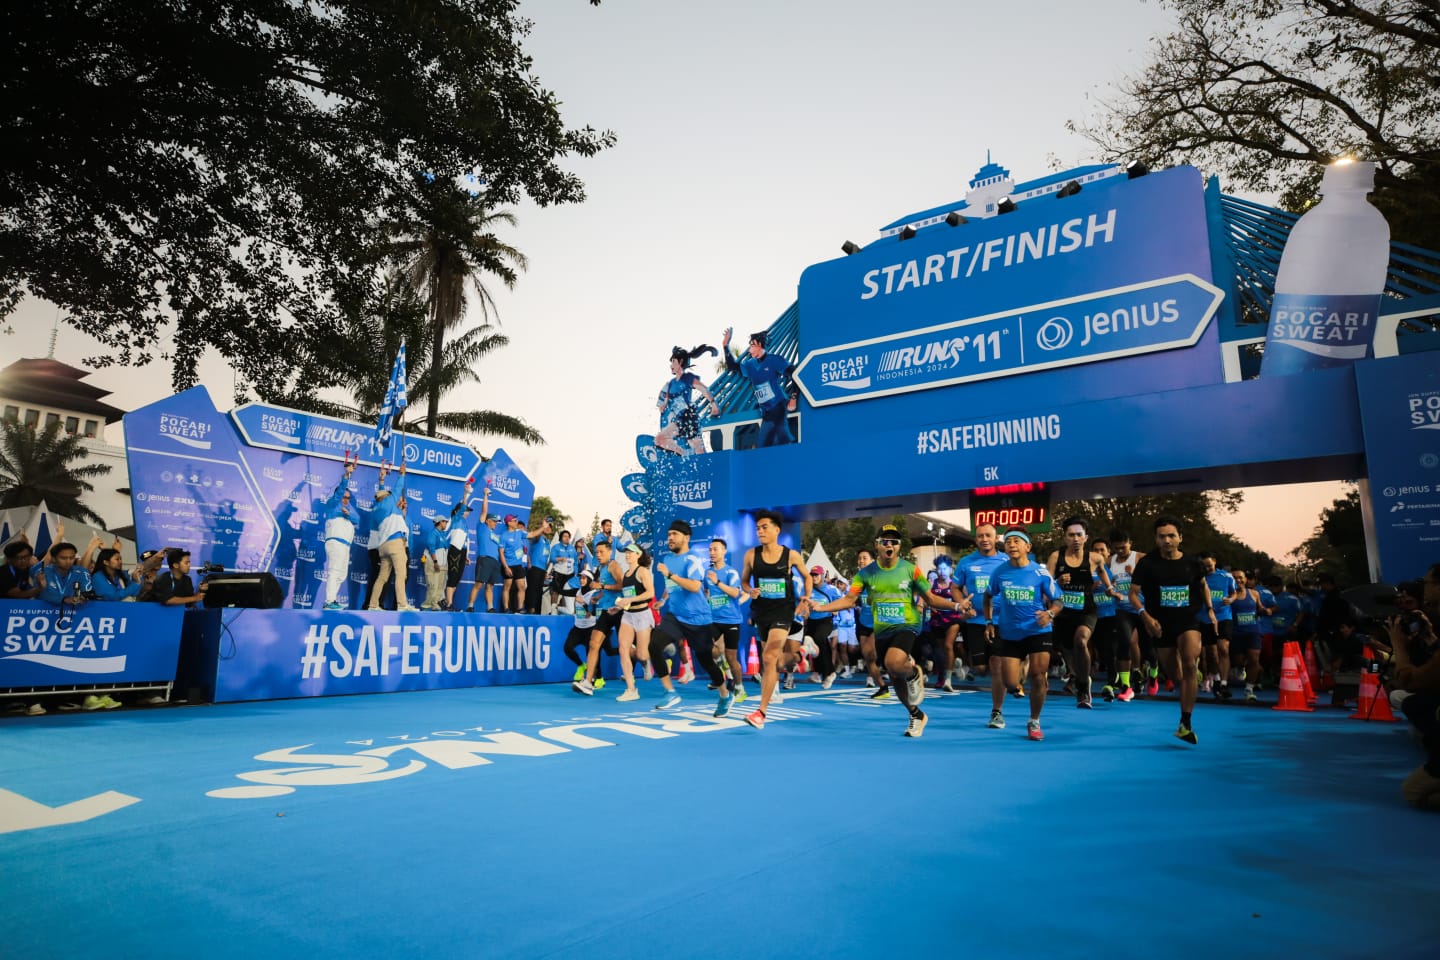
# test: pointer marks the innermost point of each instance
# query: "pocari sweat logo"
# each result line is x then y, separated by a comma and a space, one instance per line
192, 433
281, 428
692, 496
79, 648
846, 373
1424, 410
273, 473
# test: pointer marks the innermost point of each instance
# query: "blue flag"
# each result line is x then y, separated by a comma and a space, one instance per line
395, 398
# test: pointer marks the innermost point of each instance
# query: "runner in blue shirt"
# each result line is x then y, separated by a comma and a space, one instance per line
820, 626
972, 573
722, 588
686, 619
1217, 636
1248, 609
1021, 603
767, 373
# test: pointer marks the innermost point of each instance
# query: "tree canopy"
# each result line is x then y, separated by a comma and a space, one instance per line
1265, 91
190, 174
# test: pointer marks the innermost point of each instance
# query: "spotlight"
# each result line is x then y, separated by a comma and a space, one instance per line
907, 232
1136, 168
1005, 206
1069, 190
954, 219
850, 248
942, 533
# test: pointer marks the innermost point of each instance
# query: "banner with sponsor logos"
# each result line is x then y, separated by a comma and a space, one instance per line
248, 491
96, 643
1400, 411
279, 654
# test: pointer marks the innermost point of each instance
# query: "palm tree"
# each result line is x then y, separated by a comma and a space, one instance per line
36, 466
447, 245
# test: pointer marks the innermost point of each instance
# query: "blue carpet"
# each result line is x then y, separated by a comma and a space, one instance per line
372, 826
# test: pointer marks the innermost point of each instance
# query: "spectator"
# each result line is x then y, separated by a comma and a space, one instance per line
1409, 633
435, 561
16, 580
110, 582
174, 588
63, 581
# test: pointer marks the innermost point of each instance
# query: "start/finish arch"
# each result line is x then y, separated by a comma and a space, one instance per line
1093, 341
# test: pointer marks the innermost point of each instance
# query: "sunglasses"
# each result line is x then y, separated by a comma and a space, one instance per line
888, 543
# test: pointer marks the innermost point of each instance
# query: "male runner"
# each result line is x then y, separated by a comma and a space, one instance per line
1077, 569
722, 586
893, 585
1029, 600
773, 597
686, 618
1106, 633
1172, 587
972, 573
1224, 591
607, 619
865, 634
1127, 618
945, 625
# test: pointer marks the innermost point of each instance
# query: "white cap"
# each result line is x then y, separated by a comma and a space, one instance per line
1343, 175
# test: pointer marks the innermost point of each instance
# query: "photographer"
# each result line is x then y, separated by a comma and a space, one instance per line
63, 581
1411, 633
174, 588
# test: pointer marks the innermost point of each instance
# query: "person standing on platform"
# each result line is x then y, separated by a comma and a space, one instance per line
487, 556
767, 373
563, 566
392, 528
339, 535
514, 545
539, 561
457, 552
1174, 593
1021, 624
435, 562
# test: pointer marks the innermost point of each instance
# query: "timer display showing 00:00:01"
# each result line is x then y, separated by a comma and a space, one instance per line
1011, 517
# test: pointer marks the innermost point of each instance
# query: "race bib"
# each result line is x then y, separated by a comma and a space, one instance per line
772, 588
764, 393
890, 611
1175, 596
718, 600
1019, 594
627, 591
982, 583
1073, 599
1246, 619
1217, 597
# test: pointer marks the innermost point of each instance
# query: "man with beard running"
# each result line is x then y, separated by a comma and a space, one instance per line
893, 585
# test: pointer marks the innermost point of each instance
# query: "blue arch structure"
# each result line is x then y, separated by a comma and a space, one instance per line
1143, 302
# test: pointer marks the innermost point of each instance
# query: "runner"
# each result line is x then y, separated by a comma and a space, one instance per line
1224, 591
945, 625
893, 585
1173, 589
972, 573
607, 619
637, 589
767, 374
1248, 610
1103, 640
766, 577
1127, 618
1021, 623
722, 587
865, 634
685, 618
1077, 569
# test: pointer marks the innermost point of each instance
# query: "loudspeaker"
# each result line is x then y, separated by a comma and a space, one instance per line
257, 590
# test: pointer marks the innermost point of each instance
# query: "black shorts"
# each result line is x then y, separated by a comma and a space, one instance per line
1172, 626
862, 631
456, 559
773, 615
1025, 646
820, 630
729, 631
976, 643
899, 639
1069, 621
487, 571
518, 571
1245, 642
607, 621
1127, 622
694, 634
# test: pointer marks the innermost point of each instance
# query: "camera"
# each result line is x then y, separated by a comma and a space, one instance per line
206, 569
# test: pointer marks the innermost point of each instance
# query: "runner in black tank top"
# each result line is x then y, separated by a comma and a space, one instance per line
1075, 568
772, 601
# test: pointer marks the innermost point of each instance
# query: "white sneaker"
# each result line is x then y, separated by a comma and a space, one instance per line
915, 687
778, 698
826, 683
869, 681
583, 686
789, 682
916, 726
628, 696
34, 710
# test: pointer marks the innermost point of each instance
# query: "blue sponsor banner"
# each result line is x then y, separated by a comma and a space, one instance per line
1142, 318
511, 491
305, 653
99, 643
294, 431
1400, 410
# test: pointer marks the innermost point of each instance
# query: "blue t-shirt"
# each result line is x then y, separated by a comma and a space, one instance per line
512, 545
1104, 600
1288, 608
765, 374
1264, 621
723, 607
487, 541
1221, 585
1018, 594
973, 572
59, 588
563, 558
540, 551
685, 606
122, 587
823, 593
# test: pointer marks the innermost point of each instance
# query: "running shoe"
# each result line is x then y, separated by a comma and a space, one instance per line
1208, 686
649, 671
92, 702
882, 693
34, 710
997, 720
828, 682
1069, 689
756, 719
813, 677
583, 686
1033, 731
777, 697
333, 606
1126, 694
1250, 695
629, 696
1223, 691
722, 706
789, 682
1185, 733
1083, 703
1107, 693
916, 726
579, 672
1169, 686
670, 701
740, 695
687, 673
599, 683
915, 688
947, 686
847, 673
1018, 693
109, 703
1152, 687
869, 681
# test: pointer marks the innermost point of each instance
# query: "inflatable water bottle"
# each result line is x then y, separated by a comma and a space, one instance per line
1331, 277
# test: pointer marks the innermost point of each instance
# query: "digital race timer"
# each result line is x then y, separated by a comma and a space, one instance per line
1024, 505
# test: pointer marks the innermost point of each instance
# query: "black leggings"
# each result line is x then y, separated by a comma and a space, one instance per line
577, 645
820, 631
702, 647
534, 587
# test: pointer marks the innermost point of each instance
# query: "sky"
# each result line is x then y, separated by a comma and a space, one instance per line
753, 139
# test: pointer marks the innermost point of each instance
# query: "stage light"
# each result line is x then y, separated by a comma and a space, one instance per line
1136, 168
1005, 206
1069, 190
954, 219
942, 533
850, 248
907, 232
929, 525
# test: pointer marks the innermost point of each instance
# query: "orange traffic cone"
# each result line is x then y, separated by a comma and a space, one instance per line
1308, 664
1374, 704
1292, 688
752, 666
